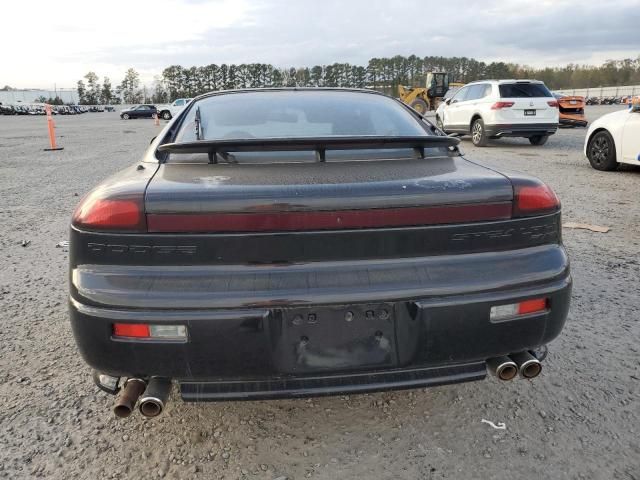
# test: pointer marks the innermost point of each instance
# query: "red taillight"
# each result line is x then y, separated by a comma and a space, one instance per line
327, 220
131, 330
499, 105
97, 213
553, 103
534, 199
532, 306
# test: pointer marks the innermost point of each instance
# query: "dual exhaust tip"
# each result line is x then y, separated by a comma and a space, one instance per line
508, 367
153, 397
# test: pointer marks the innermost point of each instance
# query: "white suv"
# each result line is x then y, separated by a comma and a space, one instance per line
500, 108
167, 112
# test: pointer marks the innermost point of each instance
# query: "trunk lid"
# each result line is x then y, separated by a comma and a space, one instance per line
392, 187
571, 105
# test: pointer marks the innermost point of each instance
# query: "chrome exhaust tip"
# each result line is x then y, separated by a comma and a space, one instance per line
503, 367
528, 365
126, 400
155, 397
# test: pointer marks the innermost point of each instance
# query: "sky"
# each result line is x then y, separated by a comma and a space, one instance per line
45, 43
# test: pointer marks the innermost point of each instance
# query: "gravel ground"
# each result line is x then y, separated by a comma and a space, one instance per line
580, 419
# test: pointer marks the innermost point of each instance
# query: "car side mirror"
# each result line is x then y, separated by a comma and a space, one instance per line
447, 101
455, 100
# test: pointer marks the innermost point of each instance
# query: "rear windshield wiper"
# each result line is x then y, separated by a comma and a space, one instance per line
318, 144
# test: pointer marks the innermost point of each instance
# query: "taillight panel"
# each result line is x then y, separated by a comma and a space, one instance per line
327, 220
95, 212
534, 198
117, 205
501, 105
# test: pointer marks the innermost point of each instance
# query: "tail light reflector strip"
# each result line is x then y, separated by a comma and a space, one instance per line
327, 220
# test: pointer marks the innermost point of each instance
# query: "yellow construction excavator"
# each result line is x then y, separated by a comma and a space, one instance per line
423, 99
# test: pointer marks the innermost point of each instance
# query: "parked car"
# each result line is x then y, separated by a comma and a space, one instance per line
36, 110
22, 110
491, 109
303, 242
571, 109
167, 112
7, 110
109, 108
614, 138
139, 111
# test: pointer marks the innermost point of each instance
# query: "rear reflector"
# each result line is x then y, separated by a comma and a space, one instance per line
532, 306
327, 220
499, 105
534, 200
132, 330
501, 312
143, 330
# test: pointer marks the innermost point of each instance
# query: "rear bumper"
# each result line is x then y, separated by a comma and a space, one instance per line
521, 130
248, 343
573, 122
322, 385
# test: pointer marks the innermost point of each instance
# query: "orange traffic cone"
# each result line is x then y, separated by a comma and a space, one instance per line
52, 130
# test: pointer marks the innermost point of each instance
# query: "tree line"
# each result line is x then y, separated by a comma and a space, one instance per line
382, 74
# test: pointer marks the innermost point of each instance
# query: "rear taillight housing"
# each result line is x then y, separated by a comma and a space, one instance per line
511, 310
143, 331
553, 103
101, 212
500, 105
534, 198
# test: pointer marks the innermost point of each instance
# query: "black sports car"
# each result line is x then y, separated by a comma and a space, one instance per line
139, 111
292, 242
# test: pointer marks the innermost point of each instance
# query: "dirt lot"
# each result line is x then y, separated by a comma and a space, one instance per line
580, 419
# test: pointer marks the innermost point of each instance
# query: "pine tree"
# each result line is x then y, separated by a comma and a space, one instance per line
106, 95
82, 90
92, 96
130, 87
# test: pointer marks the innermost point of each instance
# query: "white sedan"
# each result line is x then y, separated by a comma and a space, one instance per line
614, 138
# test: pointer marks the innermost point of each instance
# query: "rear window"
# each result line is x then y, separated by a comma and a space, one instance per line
524, 90
289, 114
296, 114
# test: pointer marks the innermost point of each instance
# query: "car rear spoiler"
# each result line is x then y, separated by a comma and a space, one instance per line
318, 144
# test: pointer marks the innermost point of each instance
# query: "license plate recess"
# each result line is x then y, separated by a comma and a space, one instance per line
336, 337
